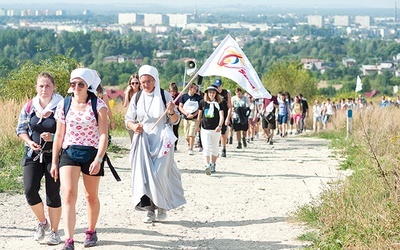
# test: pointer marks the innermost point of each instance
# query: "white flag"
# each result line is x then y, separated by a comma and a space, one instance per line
358, 84
229, 61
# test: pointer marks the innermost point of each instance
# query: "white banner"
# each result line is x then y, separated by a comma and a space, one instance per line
229, 61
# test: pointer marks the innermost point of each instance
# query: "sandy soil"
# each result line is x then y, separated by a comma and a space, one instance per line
245, 205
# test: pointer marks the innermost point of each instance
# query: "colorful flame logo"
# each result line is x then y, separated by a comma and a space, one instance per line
231, 58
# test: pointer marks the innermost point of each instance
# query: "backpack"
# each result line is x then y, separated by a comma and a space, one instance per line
93, 98
28, 107
162, 96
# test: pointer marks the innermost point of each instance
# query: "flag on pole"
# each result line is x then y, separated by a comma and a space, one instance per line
229, 61
358, 84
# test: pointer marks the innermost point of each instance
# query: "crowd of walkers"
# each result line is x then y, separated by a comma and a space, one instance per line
67, 138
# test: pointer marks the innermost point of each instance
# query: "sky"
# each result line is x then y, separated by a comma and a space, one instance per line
278, 3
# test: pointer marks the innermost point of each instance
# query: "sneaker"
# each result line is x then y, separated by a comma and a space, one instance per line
69, 244
239, 146
161, 214
91, 238
223, 154
190, 152
212, 167
53, 238
271, 143
41, 230
244, 142
208, 170
151, 216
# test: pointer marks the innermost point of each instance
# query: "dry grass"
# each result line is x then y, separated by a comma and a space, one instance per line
362, 212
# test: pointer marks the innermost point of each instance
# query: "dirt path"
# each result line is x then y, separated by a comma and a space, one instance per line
245, 205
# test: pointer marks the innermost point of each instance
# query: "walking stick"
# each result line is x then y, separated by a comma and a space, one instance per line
176, 99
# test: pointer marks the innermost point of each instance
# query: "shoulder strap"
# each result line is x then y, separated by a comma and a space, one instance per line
94, 106
28, 106
67, 105
137, 96
162, 96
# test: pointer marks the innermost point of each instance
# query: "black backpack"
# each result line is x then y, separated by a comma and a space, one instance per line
93, 98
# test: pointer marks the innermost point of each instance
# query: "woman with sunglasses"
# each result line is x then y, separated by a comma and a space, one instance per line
79, 133
36, 127
133, 88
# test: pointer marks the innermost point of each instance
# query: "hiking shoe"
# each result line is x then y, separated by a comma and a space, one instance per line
223, 154
91, 238
244, 142
190, 152
41, 230
239, 146
208, 170
53, 238
161, 214
151, 216
69, 244
212, 167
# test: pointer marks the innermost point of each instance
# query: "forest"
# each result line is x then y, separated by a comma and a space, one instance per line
90, 49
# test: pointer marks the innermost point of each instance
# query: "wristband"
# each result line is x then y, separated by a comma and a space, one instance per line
52, 137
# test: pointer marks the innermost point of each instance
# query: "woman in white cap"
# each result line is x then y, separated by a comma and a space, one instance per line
82, 137
156, 180
211, 120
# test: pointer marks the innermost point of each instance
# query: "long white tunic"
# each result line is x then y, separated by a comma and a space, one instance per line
154, 171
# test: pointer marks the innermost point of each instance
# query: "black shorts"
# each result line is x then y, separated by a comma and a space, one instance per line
267, 125
66, 161
240, 127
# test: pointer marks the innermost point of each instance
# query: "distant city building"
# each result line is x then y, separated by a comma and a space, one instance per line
152, 29
315, 21
155, 19
27, 13
178, 20
348, 62
127, 18
364, 21
341, 21
2, 12
87, 13
10, 13
60, 12
163, 53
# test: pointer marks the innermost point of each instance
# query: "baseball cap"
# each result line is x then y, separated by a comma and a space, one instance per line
217, 82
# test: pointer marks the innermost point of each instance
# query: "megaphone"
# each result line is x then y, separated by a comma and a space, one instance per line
190, 66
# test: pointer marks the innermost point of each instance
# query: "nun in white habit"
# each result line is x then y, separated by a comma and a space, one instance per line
156, 180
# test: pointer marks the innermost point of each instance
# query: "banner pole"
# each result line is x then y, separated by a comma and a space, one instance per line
176, 99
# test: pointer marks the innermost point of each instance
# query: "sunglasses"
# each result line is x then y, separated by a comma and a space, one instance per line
132, 83
80, 84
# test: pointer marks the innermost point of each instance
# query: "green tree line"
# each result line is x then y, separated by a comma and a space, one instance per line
90, 49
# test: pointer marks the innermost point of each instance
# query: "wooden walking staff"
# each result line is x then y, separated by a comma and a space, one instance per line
176, 99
